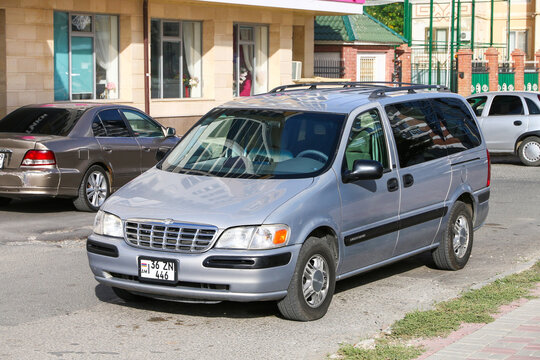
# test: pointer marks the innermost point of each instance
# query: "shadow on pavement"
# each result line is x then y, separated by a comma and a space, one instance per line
39, 206
226, 309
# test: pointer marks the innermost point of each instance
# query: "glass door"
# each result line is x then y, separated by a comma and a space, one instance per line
82, 67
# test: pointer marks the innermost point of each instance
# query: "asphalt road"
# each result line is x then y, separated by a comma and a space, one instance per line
51, 307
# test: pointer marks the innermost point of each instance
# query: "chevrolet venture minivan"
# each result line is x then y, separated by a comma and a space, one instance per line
278, 196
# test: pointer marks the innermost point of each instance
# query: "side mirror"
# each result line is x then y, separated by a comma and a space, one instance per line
169, 132
363, 170
161, 153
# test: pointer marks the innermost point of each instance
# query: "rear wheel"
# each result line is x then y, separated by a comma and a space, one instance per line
456, 244
4, 201
312, 285
529, 151
94, 189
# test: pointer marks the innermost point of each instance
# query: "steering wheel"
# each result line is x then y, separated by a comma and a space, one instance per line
236, 148
316, 153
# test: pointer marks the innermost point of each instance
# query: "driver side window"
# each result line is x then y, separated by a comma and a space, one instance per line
366, 140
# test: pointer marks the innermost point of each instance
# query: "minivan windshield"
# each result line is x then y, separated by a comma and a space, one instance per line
255, 143
41, 121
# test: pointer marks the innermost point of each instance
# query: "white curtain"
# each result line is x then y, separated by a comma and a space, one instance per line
261, 60
106, 47
191, 35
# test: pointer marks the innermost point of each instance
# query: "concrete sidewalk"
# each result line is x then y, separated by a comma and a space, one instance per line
513, 336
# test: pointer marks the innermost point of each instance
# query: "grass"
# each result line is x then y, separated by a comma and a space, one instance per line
473, 306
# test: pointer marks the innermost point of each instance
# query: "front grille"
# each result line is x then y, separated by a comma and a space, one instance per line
170, 236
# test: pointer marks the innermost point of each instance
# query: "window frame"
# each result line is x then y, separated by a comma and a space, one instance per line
174, 39
236, 60
382, 116
523, 106
144, 116
126, 123
91, 34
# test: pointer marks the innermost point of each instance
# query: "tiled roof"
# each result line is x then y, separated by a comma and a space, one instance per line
358, 28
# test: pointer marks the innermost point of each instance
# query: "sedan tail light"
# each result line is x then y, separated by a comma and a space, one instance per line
39, 158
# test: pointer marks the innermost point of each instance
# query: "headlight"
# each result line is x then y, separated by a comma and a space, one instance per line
108, 224
254, 237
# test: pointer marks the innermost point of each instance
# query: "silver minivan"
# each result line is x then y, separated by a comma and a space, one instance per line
278, 196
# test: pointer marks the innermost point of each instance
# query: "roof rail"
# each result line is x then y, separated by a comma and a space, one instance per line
410, 89
380, 85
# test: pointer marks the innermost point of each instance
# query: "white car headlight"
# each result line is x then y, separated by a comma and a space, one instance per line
254, 237
108, 224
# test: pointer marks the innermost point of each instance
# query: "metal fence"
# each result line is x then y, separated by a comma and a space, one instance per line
329, 68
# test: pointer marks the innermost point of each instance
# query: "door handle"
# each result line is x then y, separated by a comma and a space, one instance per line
107, 149
147, 149
517, 123
408, 180
392, 184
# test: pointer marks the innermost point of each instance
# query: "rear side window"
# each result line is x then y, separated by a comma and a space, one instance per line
113, 123
459, 128
533, 108
418, 133
506, 105
478, 104
41, 120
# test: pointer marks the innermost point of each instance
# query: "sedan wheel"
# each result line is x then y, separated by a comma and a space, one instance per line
94, 189
529, 151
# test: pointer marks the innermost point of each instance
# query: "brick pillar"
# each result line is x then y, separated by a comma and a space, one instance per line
492, 57
537, 58
518, 56
404, 54
348, 54
464, 81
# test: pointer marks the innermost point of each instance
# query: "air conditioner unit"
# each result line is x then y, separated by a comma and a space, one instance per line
296, 70
465, 36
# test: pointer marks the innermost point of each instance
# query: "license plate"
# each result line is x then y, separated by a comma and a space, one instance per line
2, 159
158, 270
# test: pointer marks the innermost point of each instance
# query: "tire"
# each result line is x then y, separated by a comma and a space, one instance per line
317, 255
127, 296
457, 240
529, 151
94, 189
4, 201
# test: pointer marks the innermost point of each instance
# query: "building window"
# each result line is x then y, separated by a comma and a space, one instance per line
250, 51
440, 39
518, 40
176, 62
85, 56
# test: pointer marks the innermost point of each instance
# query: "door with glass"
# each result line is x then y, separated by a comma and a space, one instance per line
82, 67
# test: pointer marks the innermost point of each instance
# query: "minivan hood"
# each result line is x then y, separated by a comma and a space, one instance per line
218, 201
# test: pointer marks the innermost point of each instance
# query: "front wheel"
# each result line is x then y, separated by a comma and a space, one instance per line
94, 189
529, 151
313, 283
457, 240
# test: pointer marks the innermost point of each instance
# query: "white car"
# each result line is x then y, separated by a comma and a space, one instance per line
510, 122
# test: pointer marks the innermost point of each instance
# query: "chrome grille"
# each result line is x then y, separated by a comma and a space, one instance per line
169, 236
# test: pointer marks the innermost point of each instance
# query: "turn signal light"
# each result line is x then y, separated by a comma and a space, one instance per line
280, 236
39, 158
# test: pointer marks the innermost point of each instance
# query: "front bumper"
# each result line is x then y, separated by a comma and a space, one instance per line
19, 183
115, 263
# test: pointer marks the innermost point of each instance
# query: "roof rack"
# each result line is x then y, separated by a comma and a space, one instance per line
382, 87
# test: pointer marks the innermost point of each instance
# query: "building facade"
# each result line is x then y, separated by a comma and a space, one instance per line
175, 59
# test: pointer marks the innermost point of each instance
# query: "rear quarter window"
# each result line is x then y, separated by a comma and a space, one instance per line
41, 121
459, 128
506, 105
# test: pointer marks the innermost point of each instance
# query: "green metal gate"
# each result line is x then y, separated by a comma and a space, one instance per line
506, 77
531, 76
480, 77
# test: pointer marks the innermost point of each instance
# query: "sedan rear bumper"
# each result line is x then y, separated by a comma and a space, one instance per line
19, 183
